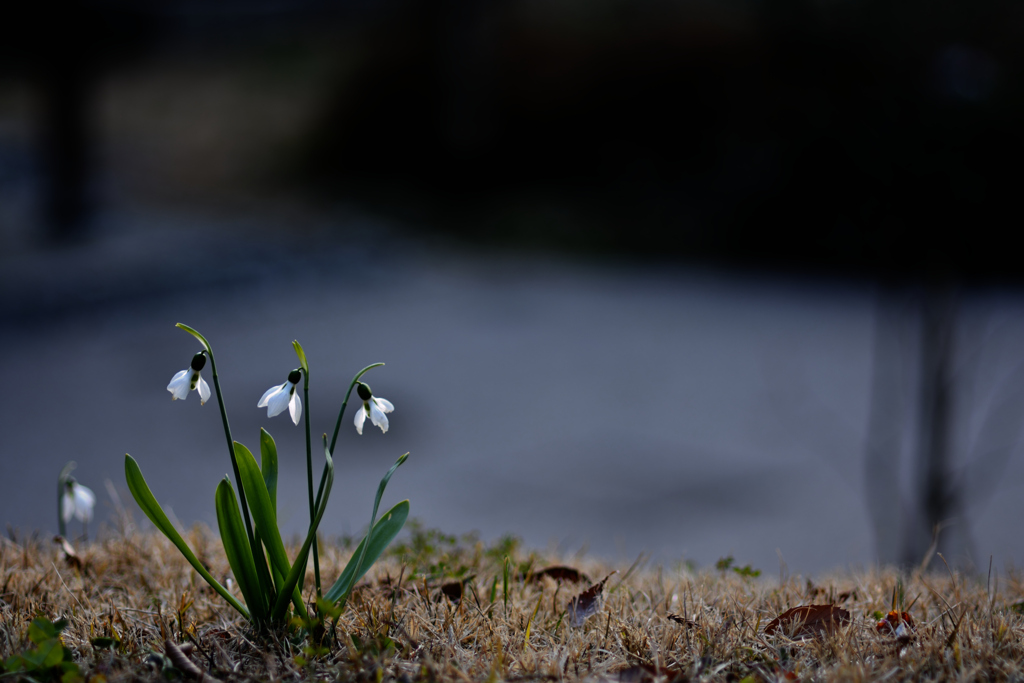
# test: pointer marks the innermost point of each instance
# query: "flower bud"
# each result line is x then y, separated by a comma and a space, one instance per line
198, 361
294, 376
364, 391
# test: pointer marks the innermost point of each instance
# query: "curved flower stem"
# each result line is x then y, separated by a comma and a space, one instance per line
337, 425
341, 413
309, 478
227, 431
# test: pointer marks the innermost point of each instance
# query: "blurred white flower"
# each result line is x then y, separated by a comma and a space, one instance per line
78, 502
276, 399
373, 406
189, 379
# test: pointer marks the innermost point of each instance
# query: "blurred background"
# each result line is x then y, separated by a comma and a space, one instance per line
693, 278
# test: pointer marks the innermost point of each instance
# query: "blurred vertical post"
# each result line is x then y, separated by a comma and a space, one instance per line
885, 429
64, 94
937, 493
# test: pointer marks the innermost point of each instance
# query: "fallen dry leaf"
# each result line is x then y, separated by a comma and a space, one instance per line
560, 573
587, 603
681, 620
646, 673
808, 621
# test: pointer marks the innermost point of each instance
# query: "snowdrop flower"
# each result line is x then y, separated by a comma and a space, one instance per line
374, 407
276, 399
188, 379
78, 502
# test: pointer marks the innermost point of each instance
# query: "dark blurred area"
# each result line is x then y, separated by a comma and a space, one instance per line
877, 141
861, 135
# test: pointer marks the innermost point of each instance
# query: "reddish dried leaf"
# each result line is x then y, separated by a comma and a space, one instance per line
586, 603
899, 625
561, 573
808, 621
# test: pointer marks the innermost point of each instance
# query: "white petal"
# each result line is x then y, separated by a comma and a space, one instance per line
204, 391
179, 385
384, 404
377, 416
68, 507
295, 407
360, 417
267, 394
85, 499
277, 403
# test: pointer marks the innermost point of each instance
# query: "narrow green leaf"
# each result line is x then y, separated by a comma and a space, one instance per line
236, 547
373, 518
195, 333
299, 568
268, 465
384, 531
301, 354
265, 518
147, 502
267, 584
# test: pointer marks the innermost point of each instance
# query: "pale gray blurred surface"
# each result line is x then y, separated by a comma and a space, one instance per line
691, 414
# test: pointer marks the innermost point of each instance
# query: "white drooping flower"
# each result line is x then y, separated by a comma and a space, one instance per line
276, 399
373, 406
78, 502
189, 379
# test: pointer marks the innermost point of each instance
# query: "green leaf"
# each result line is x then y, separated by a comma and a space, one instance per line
302, 356
41, 630
51, 653
236, 547
147, 502
265, 518
299, 568
384, 531
195, 333
268, 465
373, 518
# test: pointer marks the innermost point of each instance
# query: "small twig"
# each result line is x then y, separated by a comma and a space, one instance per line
181, 661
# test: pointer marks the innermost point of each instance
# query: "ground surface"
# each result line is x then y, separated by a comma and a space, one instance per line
133, 593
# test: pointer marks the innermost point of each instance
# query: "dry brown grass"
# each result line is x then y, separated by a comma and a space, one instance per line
400, 625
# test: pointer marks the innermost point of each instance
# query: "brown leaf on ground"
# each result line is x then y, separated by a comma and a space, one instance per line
647, 673
808, 621
681, 620
587, 603
453, 589
560, 573
71, 557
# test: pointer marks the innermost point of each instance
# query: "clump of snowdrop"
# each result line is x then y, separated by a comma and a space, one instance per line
269, 582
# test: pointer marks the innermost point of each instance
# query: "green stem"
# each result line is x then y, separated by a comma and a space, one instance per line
61, 527
227, 431
309, 478
231, 450
337, 425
